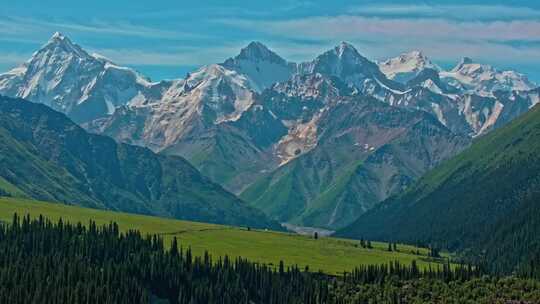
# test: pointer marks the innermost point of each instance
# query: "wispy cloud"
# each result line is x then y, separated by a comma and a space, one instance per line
297, 30
356, 27
455, 12
33, 27
443, 39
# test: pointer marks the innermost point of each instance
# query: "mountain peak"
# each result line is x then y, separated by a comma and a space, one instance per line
415, 54
257, 51
407, 66
344, 47
257, 45
344, 61
260, 65
61, 43
58, 36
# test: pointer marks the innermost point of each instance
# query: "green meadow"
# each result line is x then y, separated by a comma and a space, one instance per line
330, 255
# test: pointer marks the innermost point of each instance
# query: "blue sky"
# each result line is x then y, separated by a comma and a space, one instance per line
166, 39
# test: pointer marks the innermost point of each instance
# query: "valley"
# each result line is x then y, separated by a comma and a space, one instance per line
330, 255
347, 175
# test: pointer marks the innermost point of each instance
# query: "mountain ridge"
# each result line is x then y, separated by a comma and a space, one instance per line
46, 156
485, 198
257, 115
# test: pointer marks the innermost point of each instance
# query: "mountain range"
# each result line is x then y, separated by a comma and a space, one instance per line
316, 143
484, 201
45, 156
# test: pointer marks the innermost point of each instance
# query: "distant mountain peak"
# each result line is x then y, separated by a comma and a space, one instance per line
260, 65
416, 55
61, 43
344, 47
344, 61
257, 51
407, 66
62, 75
58, 36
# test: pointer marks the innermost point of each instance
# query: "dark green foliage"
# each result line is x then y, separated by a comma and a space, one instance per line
46, 156
380, 273
434, 252
484, 203
531, 268
4, 193
484, 290
63, 263
42, 262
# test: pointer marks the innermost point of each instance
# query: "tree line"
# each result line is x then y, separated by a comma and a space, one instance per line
46, 262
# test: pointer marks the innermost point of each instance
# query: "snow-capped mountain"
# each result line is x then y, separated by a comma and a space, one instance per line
407, 66
208, 96
65, 77
261, 65
346, 63
484, 79
259, 123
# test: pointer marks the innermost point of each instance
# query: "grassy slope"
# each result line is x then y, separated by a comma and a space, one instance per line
330, 255
10, 189
325, 203
45, 156
485, 198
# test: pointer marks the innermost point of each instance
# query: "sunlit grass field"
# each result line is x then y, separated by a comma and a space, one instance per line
330, 255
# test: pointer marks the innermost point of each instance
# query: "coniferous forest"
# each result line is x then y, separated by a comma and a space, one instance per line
45, 262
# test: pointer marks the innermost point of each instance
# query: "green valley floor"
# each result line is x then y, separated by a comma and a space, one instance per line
330, 255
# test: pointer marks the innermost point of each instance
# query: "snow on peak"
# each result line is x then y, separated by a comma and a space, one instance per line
65, 77
342, 59
58, 36
313, 86
345, 47
225, 92
484, 79
406, 66
256, 51
60, 46
261, 65
346, 63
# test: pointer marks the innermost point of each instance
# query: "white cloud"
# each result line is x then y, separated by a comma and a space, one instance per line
39, 27
443, 39
357, 27
458, 12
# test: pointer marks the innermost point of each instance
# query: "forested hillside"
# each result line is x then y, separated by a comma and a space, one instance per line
44, 155
41, 261
485, 202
